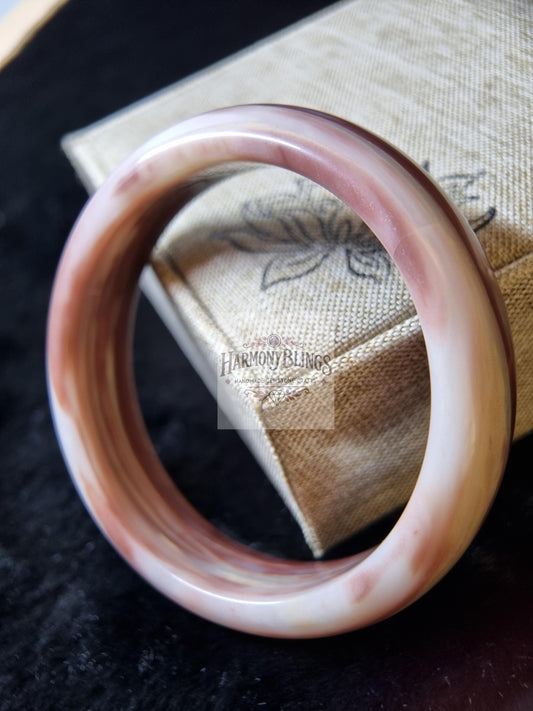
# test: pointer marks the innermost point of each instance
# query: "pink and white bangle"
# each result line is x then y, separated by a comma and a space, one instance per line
101, 430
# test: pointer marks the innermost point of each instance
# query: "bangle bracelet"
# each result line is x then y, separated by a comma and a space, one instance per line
100, 426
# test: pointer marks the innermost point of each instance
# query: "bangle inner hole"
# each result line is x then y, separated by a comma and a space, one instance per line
268, 255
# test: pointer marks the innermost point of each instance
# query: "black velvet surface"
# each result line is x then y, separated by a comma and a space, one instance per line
78, 628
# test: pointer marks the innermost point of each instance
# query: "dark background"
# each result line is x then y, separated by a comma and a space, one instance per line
79, 629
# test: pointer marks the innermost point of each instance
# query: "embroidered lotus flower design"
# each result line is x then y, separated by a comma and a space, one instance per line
301, 228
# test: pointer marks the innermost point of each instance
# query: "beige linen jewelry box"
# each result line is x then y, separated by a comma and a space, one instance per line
291, 312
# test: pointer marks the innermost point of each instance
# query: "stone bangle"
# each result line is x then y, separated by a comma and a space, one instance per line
100, 426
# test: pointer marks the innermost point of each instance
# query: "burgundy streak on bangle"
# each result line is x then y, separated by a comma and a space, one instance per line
99, 423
